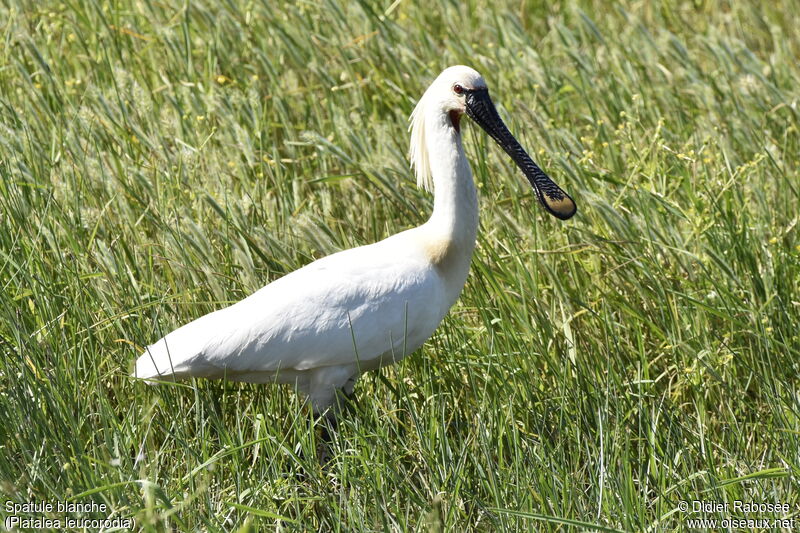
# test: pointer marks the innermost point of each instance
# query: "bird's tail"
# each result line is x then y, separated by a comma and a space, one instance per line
153, 365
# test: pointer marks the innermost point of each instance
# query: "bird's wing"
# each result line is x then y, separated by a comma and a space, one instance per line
352, 306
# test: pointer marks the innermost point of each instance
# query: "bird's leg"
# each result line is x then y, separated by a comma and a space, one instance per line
330, 405
349, 392
344, 400
326, 436
347, 396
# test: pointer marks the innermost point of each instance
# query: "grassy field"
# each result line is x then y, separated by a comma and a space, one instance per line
160, 161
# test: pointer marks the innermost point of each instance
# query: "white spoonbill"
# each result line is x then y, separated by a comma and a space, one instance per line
321, 326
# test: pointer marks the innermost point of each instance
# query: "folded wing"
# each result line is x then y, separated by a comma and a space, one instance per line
354, 306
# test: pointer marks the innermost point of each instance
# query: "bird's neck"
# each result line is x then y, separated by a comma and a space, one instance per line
453, 226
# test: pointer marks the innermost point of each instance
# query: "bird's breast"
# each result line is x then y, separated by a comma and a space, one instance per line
439, 251
450, 258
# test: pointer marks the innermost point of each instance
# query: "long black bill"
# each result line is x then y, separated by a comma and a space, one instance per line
481, 109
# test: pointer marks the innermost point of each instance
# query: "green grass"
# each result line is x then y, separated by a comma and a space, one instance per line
160, 161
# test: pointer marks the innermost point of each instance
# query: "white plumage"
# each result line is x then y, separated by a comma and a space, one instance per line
321, 326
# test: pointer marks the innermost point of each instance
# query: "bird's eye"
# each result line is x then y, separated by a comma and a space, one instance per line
458, 89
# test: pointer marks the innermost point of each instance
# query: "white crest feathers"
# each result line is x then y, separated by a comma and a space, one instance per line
418, 151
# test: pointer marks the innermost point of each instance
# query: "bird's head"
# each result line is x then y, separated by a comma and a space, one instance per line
461, 89
448, 93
